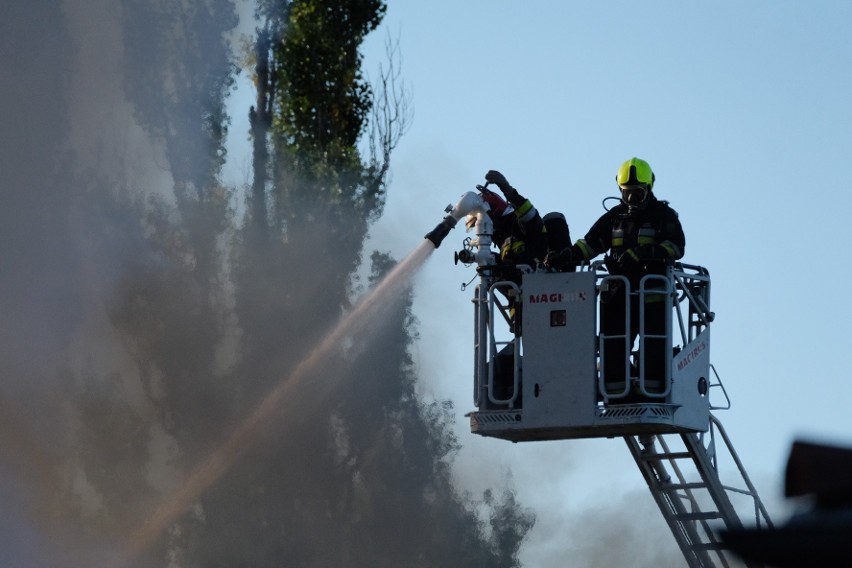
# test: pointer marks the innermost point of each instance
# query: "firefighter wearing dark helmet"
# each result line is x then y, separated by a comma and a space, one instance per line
641, 235
518, 230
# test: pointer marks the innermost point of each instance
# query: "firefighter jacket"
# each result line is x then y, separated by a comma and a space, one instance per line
521, 235
651, 233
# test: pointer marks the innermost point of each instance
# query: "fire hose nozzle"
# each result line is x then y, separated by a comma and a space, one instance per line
465, 257
443, 229
469, 203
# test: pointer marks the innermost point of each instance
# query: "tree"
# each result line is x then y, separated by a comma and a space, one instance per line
371, 485
162, 250
170, 318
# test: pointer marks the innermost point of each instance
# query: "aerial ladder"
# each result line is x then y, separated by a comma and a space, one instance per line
538, 375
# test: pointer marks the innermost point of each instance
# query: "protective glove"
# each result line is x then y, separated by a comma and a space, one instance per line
559, 260
652, 252
628, 260
498, 179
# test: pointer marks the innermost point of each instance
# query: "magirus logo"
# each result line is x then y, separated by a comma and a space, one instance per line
556, 297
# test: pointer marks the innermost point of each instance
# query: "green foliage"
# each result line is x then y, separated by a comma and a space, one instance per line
322, 109
175, 76
325, 100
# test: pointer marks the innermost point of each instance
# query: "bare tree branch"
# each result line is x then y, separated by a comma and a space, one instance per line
392, 111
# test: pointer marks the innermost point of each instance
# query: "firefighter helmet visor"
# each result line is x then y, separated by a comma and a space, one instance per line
634, 194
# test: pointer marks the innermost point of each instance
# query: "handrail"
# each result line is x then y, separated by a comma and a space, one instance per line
507, 287
760, 513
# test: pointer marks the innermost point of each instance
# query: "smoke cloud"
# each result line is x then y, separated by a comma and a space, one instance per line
140, 329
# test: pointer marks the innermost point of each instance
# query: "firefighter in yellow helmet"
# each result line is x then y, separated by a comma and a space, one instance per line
640, 235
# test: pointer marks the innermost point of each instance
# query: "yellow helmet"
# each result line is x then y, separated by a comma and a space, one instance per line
635, 172
635, 179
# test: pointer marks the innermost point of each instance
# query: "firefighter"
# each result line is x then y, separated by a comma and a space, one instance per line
641, 235
518, 230
521, 235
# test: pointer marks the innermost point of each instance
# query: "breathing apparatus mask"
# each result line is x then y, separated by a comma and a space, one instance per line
634, 196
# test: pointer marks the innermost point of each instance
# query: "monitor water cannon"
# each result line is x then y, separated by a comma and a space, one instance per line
473, 206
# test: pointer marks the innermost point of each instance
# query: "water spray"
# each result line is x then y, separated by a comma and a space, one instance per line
280, 402
289, 390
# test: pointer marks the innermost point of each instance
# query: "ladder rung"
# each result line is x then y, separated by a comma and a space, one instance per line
709, 546
666, 456
698, 516
678, 486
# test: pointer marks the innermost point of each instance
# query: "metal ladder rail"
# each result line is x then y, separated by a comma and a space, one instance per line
680, 520
678, 501
706, 462
761, 516
717, 491
700, 517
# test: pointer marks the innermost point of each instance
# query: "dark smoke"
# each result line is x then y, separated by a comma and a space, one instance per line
39, 300
138, 328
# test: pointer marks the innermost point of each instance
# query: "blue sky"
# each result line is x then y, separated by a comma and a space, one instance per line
741, 108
